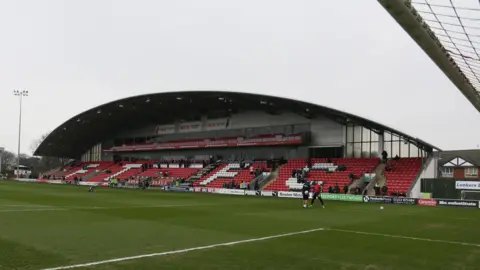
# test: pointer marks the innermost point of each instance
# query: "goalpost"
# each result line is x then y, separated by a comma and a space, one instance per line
470, 195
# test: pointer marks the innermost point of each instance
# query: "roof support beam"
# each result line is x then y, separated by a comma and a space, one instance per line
411, 21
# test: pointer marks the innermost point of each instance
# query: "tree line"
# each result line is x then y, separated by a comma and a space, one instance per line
36, 164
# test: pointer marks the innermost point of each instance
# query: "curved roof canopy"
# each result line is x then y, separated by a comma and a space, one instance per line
80, 133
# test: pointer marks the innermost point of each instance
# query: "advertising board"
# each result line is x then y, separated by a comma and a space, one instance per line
251, 193
458, 203
342, 197
178, 189
427, 202
266, 193
402, 200
289, 194
200, 189
377, 199
230, 191
467, 185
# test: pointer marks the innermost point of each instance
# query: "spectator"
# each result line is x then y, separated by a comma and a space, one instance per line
377, 189
345, 189
337, 188
305, 171
384, 156
384, 190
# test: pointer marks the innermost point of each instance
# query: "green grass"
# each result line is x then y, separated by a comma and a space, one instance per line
44, 226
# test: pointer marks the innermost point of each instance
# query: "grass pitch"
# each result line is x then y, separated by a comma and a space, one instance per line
46, 226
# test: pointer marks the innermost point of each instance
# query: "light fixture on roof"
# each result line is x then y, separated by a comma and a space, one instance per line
220, 98
179, 98
148, 100
120, 105
78, 120
263, 102
99, 111
64, 128
307, 109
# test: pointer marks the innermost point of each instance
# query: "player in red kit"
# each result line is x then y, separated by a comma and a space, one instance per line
317, 189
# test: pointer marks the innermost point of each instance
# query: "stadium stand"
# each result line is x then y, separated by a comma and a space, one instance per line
217, 129
86, 168
402, 174
156, 173
399, 179
323, 170
232, 173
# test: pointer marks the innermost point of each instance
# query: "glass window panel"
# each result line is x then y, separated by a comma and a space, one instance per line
350, 134
374, 150
403, 149
374, 137
395, 149
349, 150
357, 134
413, 150
357, 150
471, 171
366, 149
387, 146
395, 137
447, 171
366, 135
387, 136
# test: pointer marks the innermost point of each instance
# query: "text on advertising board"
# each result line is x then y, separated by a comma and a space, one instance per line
458, 203
342, 197
467, 185
427, 202
377, 199
410, 201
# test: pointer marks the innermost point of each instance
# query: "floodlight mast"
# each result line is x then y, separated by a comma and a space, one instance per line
1, 152
20, 94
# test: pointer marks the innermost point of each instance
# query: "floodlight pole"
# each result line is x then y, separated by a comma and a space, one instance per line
20, 94
1, 153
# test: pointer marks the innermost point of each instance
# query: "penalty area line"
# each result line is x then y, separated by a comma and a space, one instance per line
182, 250
408, 237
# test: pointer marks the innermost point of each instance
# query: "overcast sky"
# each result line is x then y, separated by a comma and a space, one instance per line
350, 55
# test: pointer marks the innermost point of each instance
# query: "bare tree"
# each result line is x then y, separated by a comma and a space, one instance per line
44, 163
8, 160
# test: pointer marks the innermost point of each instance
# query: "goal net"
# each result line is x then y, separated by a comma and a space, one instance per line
470, 195
449, 32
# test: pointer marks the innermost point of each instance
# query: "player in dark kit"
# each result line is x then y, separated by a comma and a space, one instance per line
305, 192
317, 189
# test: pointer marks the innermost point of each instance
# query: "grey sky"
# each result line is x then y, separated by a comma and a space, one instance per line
350, 55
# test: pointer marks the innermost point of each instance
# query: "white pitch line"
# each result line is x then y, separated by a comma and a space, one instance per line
409, 238
32, 210
22, 205
182, 250
100, 207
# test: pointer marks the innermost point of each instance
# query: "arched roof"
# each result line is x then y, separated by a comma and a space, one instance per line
74, 137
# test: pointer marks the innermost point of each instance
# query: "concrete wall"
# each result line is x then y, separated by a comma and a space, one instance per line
430, 171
